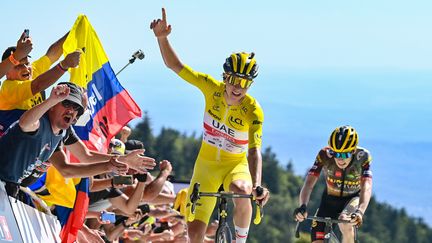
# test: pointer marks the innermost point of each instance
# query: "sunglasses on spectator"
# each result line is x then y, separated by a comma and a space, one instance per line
243, 82
338, 155
70, 104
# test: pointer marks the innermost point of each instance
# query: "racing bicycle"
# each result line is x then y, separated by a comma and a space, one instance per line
223, 232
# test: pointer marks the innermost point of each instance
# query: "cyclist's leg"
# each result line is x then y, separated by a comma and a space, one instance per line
239, 180
329, 207
206, 173
347, 229
317, 228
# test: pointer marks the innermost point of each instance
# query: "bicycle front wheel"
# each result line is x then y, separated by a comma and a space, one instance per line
332, 238
223, 234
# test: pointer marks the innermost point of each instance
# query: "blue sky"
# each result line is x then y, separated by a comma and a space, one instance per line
322, 64
295, 34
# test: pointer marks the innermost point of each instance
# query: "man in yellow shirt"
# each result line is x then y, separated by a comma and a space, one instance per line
24, 47
26, 82
230, 151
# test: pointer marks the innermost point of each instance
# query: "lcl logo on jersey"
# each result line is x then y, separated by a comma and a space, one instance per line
236, 120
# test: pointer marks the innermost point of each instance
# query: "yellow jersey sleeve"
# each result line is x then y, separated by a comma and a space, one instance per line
40, 66
255, 127
204, 82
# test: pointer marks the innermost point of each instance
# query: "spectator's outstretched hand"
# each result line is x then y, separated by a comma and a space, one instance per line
24, 47
118, 167
137, 161
160, 27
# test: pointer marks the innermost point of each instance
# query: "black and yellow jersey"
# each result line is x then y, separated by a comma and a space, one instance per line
343, 182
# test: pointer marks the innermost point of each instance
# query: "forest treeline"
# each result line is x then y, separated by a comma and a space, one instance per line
382, 222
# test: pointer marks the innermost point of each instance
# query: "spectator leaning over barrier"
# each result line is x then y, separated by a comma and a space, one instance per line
26, 82
23, 48
32, 140
91, 162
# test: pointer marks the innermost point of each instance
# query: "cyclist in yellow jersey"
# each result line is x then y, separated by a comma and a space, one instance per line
230, 151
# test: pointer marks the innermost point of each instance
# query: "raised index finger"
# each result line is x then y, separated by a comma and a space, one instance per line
163, 15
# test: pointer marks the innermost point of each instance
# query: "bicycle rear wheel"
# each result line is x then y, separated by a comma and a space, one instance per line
223, 234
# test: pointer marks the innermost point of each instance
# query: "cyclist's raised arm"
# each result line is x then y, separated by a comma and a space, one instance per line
161, 30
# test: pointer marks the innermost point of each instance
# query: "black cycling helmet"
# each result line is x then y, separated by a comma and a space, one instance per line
241, 64
343, 139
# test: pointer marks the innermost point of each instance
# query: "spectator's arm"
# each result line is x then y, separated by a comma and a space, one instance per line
85, 155
126, 205
55, 51
100, 184
49, 77
155, 187
60, 161
29, 121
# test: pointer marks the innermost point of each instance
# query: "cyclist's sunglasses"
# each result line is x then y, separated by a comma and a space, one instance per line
234, 80
338, 155
71, 104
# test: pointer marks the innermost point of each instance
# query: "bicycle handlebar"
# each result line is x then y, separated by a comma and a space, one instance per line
196, 195
326, 220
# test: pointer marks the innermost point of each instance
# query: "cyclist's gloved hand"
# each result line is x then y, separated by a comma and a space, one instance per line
262, 195
300, 213
357, 218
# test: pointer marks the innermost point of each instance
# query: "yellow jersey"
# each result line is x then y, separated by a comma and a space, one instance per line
229, 131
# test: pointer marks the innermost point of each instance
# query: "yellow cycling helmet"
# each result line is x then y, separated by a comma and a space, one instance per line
343, 139
241, 64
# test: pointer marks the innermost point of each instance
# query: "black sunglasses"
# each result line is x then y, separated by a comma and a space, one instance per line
71, 104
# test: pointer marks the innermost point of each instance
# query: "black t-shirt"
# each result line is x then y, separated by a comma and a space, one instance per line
70, 138
22, 152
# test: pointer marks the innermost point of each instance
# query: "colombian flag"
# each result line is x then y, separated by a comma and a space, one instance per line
110, 107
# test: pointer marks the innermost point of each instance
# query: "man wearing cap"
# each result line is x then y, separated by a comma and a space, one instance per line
31, 141
25, 83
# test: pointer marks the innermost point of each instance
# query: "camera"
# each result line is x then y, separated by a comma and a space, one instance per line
138, 54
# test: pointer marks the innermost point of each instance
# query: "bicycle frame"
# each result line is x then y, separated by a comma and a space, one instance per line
329, 235
223, 232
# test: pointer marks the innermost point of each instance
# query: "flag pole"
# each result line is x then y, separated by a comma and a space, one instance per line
138, 54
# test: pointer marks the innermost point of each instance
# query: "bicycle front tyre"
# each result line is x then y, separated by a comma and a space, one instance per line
223, 234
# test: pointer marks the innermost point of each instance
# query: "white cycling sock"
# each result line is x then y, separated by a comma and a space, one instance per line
241, 234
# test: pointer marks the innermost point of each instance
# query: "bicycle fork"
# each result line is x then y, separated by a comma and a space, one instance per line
223, 209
